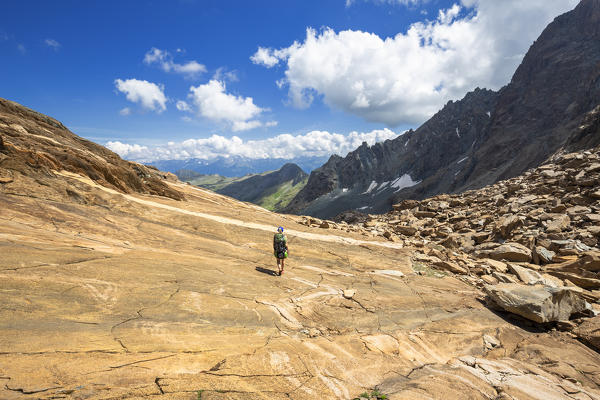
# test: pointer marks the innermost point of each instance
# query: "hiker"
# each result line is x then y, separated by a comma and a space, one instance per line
280, 249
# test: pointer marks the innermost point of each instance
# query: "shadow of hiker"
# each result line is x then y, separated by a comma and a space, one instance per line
266, 271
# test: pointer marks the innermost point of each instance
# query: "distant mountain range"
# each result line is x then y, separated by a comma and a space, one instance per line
271, 190
485, 137
237, 166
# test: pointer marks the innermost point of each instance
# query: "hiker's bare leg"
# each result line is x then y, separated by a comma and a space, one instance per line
282, 263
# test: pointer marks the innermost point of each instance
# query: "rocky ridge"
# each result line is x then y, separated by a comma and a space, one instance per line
34, 146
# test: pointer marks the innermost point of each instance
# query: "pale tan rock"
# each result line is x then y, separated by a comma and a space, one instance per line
405, 230
496, 265
558, 224
451, 267
511, 252
537, 303
489, 279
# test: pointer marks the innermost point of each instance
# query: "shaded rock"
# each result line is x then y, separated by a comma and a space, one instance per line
542, 255
589, 332
496, 265
504, 278
514, 252
595, 218
537, 303
454, 241
507, 224
405, 205
480, 237
324, 225
578, 279
558, 224
405, 230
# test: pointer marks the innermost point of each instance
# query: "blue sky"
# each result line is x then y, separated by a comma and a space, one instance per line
218, 77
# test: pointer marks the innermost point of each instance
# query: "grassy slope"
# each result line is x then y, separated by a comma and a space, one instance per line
273, 200
281, 195
215, 182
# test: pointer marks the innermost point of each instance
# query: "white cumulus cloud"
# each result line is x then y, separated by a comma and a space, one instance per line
149, 95
314, 143
265, 56
408, 77
211, 101
164, 60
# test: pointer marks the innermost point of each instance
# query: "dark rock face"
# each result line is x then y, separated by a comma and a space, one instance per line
485, 137
553, 89
257, 186
445, 139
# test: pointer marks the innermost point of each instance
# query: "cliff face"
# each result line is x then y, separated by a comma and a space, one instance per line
485, 137
551, 92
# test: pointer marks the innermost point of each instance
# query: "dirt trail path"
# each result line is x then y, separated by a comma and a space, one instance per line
237, 222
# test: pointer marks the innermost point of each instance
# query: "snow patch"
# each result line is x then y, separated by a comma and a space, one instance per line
461, 160
372, 186
384, 184
402, 182
489, 114
344, 190
457, 134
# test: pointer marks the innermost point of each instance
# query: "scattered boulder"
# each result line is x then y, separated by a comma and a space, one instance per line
349, 293
542, 255
528, 276
406, 230
511, 252
507, 224
538, 303
558, 224
405, 205
450, 267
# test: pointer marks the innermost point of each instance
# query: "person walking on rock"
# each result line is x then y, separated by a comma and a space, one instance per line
280, 249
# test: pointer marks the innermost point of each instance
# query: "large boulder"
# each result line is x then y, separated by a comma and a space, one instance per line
558, 224
512, 252
506, 225
537, 303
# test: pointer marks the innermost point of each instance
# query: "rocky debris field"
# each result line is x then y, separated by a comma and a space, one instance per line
531, 242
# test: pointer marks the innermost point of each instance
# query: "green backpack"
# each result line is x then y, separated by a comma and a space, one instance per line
280, 245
